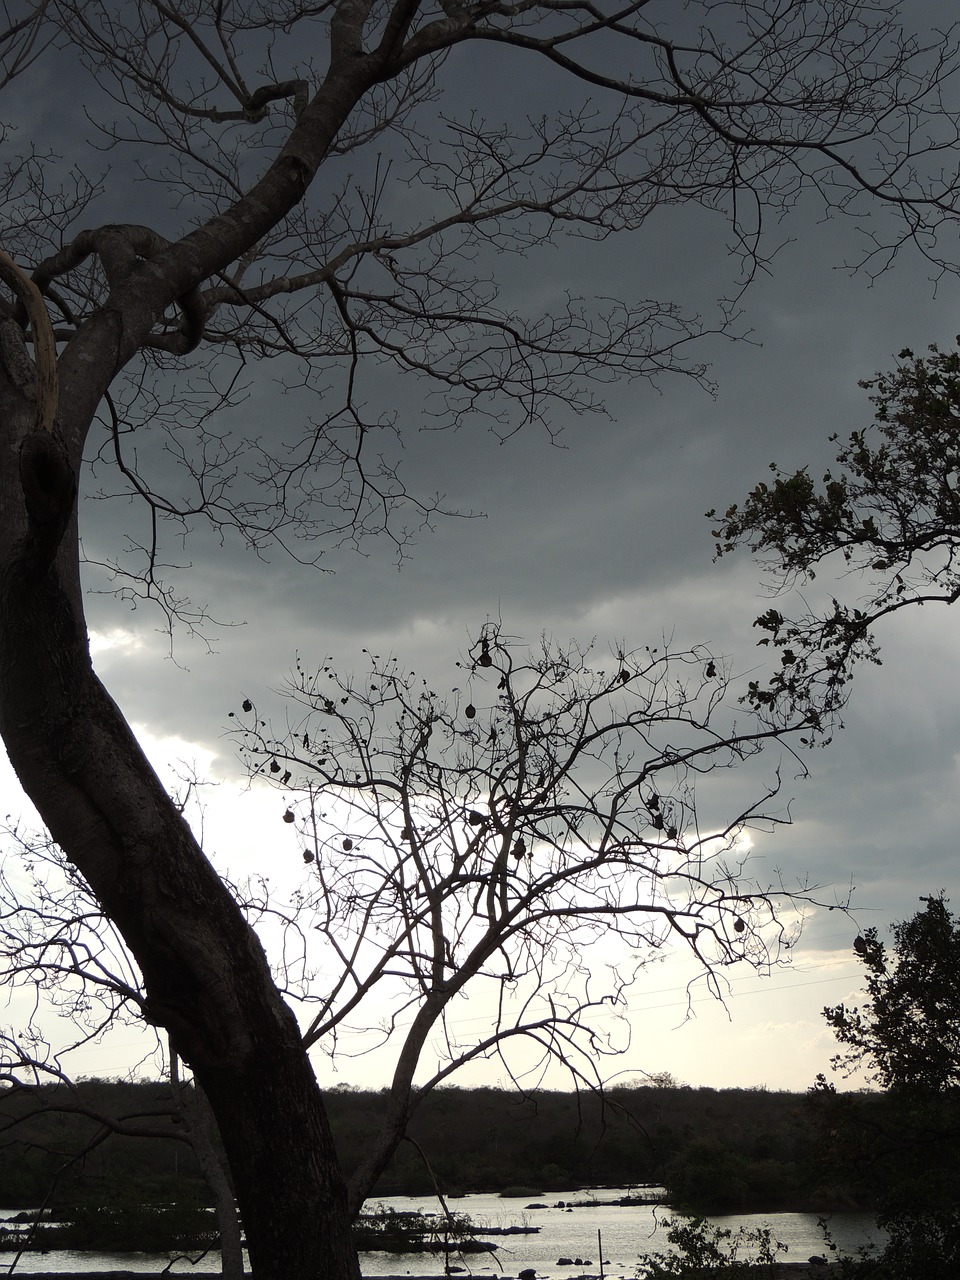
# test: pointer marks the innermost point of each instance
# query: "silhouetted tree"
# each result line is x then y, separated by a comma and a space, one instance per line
888, 516
482, 842
56, 942
278, 136
907, 1032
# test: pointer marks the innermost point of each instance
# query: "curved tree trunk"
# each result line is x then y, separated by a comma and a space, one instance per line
205, 974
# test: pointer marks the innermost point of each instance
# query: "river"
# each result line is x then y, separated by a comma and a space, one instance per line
626, 1234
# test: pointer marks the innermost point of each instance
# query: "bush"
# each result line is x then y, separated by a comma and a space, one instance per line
396, 1231
134, 1228
707, 1252
923, 1244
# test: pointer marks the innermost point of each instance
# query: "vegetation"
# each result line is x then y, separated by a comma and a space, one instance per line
713, 1253
69, 1156
269, 132
108, 1227
908, 1029
888, 514
116, 1226
714, 1150
390, 1231
487, 838
482, 839
907, 1032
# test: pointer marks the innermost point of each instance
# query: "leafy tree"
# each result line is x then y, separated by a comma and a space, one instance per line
908, 1032
889, 513
280, 137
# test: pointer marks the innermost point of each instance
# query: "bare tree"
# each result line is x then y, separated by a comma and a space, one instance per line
24, 37
494, 848
282, 137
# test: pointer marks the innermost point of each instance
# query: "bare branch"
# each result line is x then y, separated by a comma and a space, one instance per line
449, 845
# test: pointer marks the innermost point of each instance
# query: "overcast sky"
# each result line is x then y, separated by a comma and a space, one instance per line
602, 534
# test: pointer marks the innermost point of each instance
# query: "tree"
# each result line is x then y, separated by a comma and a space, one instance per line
889, 514
907, 1032
483, 843
479, 844
238, 110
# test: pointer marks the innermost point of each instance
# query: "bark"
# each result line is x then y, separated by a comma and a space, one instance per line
199, 1130
205, 974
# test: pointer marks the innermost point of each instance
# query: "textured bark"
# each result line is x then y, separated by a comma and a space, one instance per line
205, 973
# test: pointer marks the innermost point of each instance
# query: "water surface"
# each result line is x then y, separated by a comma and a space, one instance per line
626, 1234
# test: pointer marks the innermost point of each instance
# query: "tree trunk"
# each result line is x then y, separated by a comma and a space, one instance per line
205, 974
199, 1127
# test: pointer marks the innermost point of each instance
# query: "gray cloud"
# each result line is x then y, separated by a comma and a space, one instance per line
604, 534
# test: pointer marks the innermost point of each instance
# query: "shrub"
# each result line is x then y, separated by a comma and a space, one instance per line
707, 1252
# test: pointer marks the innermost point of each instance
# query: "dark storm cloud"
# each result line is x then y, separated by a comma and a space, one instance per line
604, 534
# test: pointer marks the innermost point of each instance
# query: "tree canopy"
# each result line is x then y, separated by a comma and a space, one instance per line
889, 515
907, 1032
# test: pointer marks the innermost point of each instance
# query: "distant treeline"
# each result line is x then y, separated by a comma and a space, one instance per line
714, 1150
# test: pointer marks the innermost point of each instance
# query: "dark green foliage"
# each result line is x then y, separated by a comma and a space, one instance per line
909, 1026
391, 1231
70, 1157
908, 1031
491, 1139
889, 511
714, 1149
718, 1176
149, 1228
494, 1139
713, 1253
